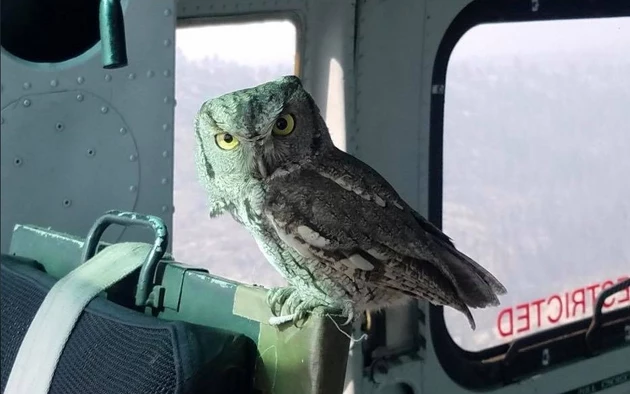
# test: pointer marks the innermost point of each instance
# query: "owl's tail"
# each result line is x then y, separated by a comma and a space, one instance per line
460, 306
451, 279
476, 287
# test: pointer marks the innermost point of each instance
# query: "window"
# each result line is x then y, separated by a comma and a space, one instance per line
536, 170
213, 60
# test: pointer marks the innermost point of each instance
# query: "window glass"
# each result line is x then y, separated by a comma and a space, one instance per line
537, 170
213, 60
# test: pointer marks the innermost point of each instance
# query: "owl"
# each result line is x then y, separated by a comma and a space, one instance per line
340, 235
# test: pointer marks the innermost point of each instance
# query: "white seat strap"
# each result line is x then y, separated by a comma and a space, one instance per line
50, 329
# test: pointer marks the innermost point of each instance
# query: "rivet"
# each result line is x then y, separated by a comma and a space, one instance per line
150, 74
166, 100
131, 76
26, 85
122, 130
167, 73
80, 80
1, 120
132, 188
164, 181
108, 77
91, 152
167, 12
165, 127
59, 126
104, 109
17, 161
164, 208
54, 83
167, 42
133, 157
66, 203
26, 103
79, 97
165, 154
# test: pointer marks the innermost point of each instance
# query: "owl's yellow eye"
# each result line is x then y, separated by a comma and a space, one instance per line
284, 125
226, 141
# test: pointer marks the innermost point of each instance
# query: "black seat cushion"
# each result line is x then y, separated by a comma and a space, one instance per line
115, 350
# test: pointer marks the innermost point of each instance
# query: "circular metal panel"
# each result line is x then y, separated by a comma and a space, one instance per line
67, 157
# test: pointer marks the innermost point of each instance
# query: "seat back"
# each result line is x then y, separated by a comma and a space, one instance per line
310, 359
113, 349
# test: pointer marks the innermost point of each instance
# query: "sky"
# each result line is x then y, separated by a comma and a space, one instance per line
612, 34
243, 43
273, 42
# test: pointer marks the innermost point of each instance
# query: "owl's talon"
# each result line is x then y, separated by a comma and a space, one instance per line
277, 297
279, 320
348, 310
293, 308
292, 303
303, 309
279, 294
345, 310
349, 320
288, 305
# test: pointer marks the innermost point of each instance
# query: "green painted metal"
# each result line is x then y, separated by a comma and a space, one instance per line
205, 300
307, 359
59, 253
113, 42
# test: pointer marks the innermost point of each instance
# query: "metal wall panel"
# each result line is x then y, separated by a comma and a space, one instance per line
78, 139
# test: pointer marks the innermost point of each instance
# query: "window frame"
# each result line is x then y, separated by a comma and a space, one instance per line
508, 363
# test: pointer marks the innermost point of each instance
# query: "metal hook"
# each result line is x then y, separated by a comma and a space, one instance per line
112, 28
160, 244
596, 320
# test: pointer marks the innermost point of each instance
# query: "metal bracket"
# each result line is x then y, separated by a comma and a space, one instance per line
596, 320
437, 89
160, 244
535, 5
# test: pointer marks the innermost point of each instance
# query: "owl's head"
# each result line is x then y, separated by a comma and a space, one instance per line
247, 134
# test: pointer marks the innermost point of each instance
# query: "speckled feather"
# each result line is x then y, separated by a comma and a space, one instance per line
332, 226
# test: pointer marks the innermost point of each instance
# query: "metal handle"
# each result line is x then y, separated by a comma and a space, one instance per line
596, 320
112, 27
130, 219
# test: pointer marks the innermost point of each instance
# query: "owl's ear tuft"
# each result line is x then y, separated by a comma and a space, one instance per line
291, 81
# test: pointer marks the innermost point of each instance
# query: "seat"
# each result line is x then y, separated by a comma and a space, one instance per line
113, 349
309, 359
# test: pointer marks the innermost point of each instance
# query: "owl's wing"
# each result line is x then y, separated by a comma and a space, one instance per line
341, 208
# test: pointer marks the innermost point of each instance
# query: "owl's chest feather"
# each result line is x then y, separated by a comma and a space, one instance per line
248, 211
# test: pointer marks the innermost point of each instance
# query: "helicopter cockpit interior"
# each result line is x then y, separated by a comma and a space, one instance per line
504, 123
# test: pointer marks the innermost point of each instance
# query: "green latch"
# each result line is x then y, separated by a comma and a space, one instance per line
112, 27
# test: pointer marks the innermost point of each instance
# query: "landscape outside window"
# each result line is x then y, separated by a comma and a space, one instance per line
536, 169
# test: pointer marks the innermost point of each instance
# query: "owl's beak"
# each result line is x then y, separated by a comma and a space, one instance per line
262, 168
259, 143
